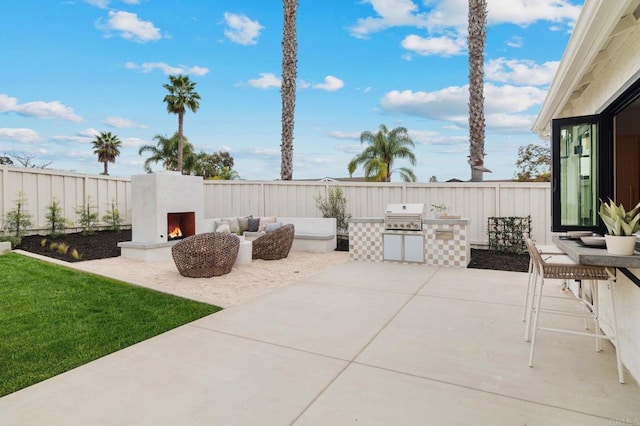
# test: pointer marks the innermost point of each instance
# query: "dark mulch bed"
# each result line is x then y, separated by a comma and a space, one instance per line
99, 245
491, 259
104, 244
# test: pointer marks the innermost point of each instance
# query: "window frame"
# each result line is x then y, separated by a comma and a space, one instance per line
604, 184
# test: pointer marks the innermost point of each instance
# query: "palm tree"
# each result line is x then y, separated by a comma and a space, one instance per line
182, 95
384, 148
107, 147
476, 40
166, 152
227, 173
288, 87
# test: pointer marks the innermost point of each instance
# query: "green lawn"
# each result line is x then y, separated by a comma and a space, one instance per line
53, 319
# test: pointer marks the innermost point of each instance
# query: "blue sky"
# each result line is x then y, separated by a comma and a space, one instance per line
71, 69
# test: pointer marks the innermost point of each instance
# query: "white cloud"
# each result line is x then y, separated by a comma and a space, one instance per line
266, 80
81, 154
82, 136
444, 46
102, 4
422, 136
504, 105
20, 135
445, 21
147, 67
242, 30
130, 26
525, 12
520, 71
265, 152
331, 84
88, 133
38, 109
515, 42
132, 142
345, 135
390, 13
122, 123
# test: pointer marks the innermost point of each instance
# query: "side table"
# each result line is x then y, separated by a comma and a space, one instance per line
244, 253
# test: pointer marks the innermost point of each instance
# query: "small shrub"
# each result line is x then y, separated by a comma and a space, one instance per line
88, 217
63, 248
76, 255
43, 242
335, 205
53, 246
55, 220
18, 220
15, 241
113, 218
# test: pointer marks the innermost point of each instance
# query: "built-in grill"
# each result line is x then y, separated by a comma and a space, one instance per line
405, 217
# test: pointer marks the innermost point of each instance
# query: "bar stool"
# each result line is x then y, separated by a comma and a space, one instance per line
548, 252
546, 270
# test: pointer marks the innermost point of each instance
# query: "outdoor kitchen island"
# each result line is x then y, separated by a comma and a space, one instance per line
440, 242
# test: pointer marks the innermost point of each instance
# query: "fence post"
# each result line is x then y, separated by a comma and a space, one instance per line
5, 193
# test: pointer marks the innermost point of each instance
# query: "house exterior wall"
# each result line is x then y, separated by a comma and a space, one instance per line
609, 77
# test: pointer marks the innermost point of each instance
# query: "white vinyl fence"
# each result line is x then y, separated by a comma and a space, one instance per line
41, 188
476, 201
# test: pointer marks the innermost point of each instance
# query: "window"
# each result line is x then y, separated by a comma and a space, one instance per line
578, 155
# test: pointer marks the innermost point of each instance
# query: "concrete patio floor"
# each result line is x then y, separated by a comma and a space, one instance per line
358, 343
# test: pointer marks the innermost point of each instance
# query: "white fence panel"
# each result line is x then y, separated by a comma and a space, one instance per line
42, 187
476, 201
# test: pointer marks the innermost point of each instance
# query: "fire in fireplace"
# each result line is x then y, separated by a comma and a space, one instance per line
180, 225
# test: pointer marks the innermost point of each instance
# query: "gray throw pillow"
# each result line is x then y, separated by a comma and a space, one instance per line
253, 224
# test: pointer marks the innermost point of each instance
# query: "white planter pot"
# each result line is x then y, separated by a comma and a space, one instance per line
620, 245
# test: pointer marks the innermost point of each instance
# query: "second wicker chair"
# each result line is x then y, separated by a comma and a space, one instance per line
206, 255
275, 244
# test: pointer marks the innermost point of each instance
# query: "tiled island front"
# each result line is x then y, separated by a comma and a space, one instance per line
445, 241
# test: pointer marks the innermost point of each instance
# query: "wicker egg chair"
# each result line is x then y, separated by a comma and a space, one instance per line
274, 245
206, 255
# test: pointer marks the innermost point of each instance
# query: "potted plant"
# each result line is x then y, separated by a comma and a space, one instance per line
621, 225
440, 210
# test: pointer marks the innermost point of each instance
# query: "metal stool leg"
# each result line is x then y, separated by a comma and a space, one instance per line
615, 331
596, 312
536, 313
525, 310
529, 305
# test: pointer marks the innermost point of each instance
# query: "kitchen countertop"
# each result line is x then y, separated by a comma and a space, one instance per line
595, 255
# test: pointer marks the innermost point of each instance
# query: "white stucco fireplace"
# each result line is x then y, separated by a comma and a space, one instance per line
166, 207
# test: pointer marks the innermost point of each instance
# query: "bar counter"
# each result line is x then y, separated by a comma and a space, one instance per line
595, 255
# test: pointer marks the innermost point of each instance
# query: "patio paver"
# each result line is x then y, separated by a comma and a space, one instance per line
358, 343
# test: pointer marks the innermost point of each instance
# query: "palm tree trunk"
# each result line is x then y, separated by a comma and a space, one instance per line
106, 168
477, 37
180, 143
288, 89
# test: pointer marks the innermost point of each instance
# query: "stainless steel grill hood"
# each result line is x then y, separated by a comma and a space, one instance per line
406, 217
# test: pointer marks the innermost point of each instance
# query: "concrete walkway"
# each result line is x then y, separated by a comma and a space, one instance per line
359, 343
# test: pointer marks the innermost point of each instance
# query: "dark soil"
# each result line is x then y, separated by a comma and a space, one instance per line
491, 259
100, 245
104, 244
